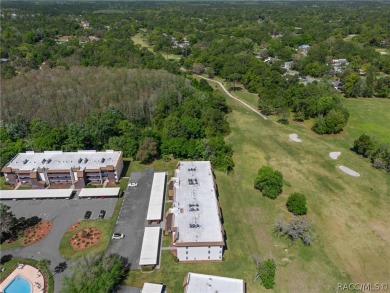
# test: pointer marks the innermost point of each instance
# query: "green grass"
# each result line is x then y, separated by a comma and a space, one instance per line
106, 227
350, 214
3, 185
158, 166
17, 243
12, 264
140, 39
370, 116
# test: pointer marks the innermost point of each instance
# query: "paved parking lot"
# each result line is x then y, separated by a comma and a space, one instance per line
69, 211
132, 218
63, 213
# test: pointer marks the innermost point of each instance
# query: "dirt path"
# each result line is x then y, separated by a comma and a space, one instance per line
230, 95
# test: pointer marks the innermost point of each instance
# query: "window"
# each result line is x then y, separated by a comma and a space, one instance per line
186, 247
186, 257
209, 246
209, 257
209, 251
186, 252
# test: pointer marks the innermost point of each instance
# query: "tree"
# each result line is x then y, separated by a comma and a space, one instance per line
148, 150
365, 145
60, 267
296, 204
333, 122
269, 182
7, 218
45, 263
296, 228
266, 272
98, 273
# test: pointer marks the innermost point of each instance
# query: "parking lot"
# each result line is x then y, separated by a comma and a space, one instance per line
132, 218
69, 211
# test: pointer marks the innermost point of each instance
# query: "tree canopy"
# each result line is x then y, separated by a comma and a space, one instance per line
269, 182
98, 273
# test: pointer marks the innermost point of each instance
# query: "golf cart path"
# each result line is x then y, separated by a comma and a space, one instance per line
230, 95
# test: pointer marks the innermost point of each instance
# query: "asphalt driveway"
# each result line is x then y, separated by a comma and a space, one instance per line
132, 218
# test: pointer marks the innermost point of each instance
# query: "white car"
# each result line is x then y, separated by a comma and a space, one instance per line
133, 184
118, 236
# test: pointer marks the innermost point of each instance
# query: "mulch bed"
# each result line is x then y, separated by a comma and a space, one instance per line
74, 226
37, 233
85, 238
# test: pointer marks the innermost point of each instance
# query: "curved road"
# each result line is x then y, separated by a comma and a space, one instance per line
230, 95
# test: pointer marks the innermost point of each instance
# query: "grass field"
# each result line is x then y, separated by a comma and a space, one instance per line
350, 214
140, 39
105, 226
3, 185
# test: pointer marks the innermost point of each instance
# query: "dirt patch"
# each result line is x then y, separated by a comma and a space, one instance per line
112, 184
85, 238
74, 226
349, 171
37, 233
294, 137
59, 186
334, 155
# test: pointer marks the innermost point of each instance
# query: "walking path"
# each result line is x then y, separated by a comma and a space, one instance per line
230, 95
168, 248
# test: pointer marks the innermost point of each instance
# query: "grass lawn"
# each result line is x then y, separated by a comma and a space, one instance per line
158, 166
105, 226
12, 264
140, 39
350, 214
17, 243
3, 185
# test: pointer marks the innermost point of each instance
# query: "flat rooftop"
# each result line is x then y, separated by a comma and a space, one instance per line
156, 197
150, 246
207, 283
58, 160
152, 288
35, 193
97, 192
195, 204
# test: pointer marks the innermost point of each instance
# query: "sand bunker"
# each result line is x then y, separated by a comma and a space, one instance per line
294, 137
334, 155
349, 171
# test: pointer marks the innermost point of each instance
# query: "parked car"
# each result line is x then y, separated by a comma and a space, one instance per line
102, 214
133, 184
87, 215
118, 236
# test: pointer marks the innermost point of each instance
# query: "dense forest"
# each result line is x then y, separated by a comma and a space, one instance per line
72, 76
146, 114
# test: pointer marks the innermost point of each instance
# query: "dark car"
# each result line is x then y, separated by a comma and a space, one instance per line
87, 215
102, 214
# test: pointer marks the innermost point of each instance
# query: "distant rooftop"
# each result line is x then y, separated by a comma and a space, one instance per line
196, 207
196, 283
58, 160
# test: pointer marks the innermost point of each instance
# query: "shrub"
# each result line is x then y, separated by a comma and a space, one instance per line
269, 182
296, 204
266, 272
